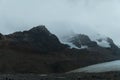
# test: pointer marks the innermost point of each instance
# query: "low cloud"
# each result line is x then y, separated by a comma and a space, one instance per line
62, 16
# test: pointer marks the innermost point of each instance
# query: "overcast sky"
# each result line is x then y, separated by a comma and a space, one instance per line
60, 16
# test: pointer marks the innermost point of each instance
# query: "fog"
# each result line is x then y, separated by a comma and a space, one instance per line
62, 16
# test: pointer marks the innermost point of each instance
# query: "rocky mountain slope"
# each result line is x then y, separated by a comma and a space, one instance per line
36, 39
81, 41
39, 51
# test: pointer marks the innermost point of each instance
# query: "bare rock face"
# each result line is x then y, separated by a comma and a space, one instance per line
82, 39
114, 48
2, 37
36, 39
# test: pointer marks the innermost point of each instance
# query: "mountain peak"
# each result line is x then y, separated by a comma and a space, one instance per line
36, 39
40, 28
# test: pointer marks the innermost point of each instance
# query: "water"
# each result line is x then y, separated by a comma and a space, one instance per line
102, 67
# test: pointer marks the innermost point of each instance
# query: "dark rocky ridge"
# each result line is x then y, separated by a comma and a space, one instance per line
82, 39
114, 48
36, 39
39, 51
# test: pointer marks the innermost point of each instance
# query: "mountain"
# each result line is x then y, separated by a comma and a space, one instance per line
82, 41
36, 39
39, 51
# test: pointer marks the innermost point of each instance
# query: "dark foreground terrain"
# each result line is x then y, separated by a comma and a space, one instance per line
72, 76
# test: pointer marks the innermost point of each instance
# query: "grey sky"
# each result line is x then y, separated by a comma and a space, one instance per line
60, 16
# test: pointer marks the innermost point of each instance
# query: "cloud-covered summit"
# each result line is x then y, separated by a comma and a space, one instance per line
102, 16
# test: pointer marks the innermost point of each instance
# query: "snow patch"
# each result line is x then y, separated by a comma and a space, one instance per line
101, 40
103, 43
65, 40
84, 46
73, 46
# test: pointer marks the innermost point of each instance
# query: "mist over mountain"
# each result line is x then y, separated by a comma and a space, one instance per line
59, 16
60, 38
37, 50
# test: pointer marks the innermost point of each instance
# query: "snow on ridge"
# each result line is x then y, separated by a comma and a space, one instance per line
101, 40
103, 43
73, 46
65, 40
84, 46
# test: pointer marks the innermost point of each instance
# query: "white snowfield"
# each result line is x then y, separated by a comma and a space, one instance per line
73, 46
103, 67
100, 39
103, 43
65, 41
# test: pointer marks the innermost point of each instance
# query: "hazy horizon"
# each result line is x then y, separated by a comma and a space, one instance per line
62, 16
